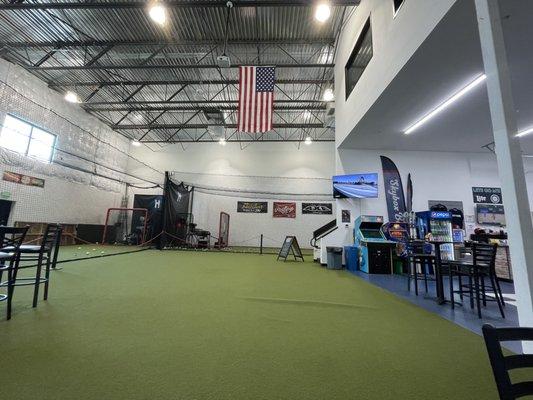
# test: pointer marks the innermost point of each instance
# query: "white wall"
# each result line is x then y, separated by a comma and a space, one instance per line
224, 175
435, 176
394, 42
69, 195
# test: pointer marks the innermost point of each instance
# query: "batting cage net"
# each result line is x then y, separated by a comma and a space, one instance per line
126, 226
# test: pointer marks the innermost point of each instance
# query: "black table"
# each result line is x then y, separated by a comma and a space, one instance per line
438, 276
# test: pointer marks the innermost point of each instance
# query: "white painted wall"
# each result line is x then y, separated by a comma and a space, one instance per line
435, 176
260, 172
395, 39
69, 195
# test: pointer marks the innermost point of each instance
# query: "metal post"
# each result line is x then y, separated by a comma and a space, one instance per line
508, 153
261, 245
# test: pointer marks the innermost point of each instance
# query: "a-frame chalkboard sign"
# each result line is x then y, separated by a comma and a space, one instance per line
290, 245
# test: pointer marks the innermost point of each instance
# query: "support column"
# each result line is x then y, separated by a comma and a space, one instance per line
508, 153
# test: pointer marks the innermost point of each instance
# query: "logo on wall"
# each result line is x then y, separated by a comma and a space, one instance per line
253, 207
23, 179
284, 210
487, 195
317, 208
346, 216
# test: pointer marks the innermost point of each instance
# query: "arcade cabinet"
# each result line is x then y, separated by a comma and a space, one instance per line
375, 251
398, 232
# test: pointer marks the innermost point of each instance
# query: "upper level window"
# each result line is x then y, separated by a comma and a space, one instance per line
397, 5
27, 139
359, 59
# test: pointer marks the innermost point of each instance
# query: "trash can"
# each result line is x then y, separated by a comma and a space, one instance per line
334, 257
350, 257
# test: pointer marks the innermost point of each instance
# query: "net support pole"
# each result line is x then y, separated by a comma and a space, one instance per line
261, 245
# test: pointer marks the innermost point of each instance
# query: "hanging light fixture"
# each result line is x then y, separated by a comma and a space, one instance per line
308, 141
158, 13
322, 12
72, 97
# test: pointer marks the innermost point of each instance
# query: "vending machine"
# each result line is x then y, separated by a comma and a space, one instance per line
439, 224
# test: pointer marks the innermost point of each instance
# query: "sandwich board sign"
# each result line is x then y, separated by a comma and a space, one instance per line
290, 246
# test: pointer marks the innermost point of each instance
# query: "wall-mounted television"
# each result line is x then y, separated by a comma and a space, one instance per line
359, 186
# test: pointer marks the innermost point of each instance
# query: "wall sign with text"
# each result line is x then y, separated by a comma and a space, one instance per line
23, 179
317, 208
487, 195
284, 210
252, 207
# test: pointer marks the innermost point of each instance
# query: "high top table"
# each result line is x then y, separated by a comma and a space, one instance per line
438, 276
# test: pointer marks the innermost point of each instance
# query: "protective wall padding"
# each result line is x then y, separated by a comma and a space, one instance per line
177, 202
91, 165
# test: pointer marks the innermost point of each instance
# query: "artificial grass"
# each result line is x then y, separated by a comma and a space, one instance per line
193, 325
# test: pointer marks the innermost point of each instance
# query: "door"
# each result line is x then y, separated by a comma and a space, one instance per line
5, 210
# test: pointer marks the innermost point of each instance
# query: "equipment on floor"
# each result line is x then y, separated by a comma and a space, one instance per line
375, 251
118, 226
290, 246
320, 233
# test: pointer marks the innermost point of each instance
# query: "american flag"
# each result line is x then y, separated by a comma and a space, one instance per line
256, 99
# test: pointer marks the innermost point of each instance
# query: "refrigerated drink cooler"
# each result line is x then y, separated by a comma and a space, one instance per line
439, 224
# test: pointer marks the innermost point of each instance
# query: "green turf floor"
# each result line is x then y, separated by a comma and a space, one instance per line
192, 325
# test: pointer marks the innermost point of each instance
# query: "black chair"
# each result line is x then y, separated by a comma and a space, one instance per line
501, 365
45, 253
417, 261
482, 265
9, 262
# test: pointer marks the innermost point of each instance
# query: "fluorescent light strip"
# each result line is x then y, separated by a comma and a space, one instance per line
447, 103
524, 133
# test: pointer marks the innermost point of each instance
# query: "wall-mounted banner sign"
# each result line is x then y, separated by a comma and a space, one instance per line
5, 195
346, 216
487, 195
317, 208
284, 210
254, 207
393, 190
23, 179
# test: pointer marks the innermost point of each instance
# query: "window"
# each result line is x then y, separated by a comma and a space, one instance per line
359, 59
397, 5
27, 139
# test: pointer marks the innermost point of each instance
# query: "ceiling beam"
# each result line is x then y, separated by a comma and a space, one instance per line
205, 126
182, 82
310, 107
136, 43
234, 141
164, 66
135, 4
212, 103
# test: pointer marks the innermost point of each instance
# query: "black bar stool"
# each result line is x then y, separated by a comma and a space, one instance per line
9, 261
45, 253
417, 261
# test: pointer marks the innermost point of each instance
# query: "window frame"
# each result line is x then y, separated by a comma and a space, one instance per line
395, 10
367, 27
30, 137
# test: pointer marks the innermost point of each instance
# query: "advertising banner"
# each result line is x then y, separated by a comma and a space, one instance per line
317, 208
393, 190
487, 195
254, 207
23, 179
284, 210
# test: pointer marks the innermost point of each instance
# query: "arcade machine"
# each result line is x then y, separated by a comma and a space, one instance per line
398, 232
375, 251
439, 224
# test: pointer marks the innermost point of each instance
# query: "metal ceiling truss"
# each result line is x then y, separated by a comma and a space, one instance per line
163, 90
133, 4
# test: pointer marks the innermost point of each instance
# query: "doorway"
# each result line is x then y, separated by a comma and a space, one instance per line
5, 210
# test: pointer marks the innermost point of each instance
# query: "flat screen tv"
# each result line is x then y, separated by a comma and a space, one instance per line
359, 186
